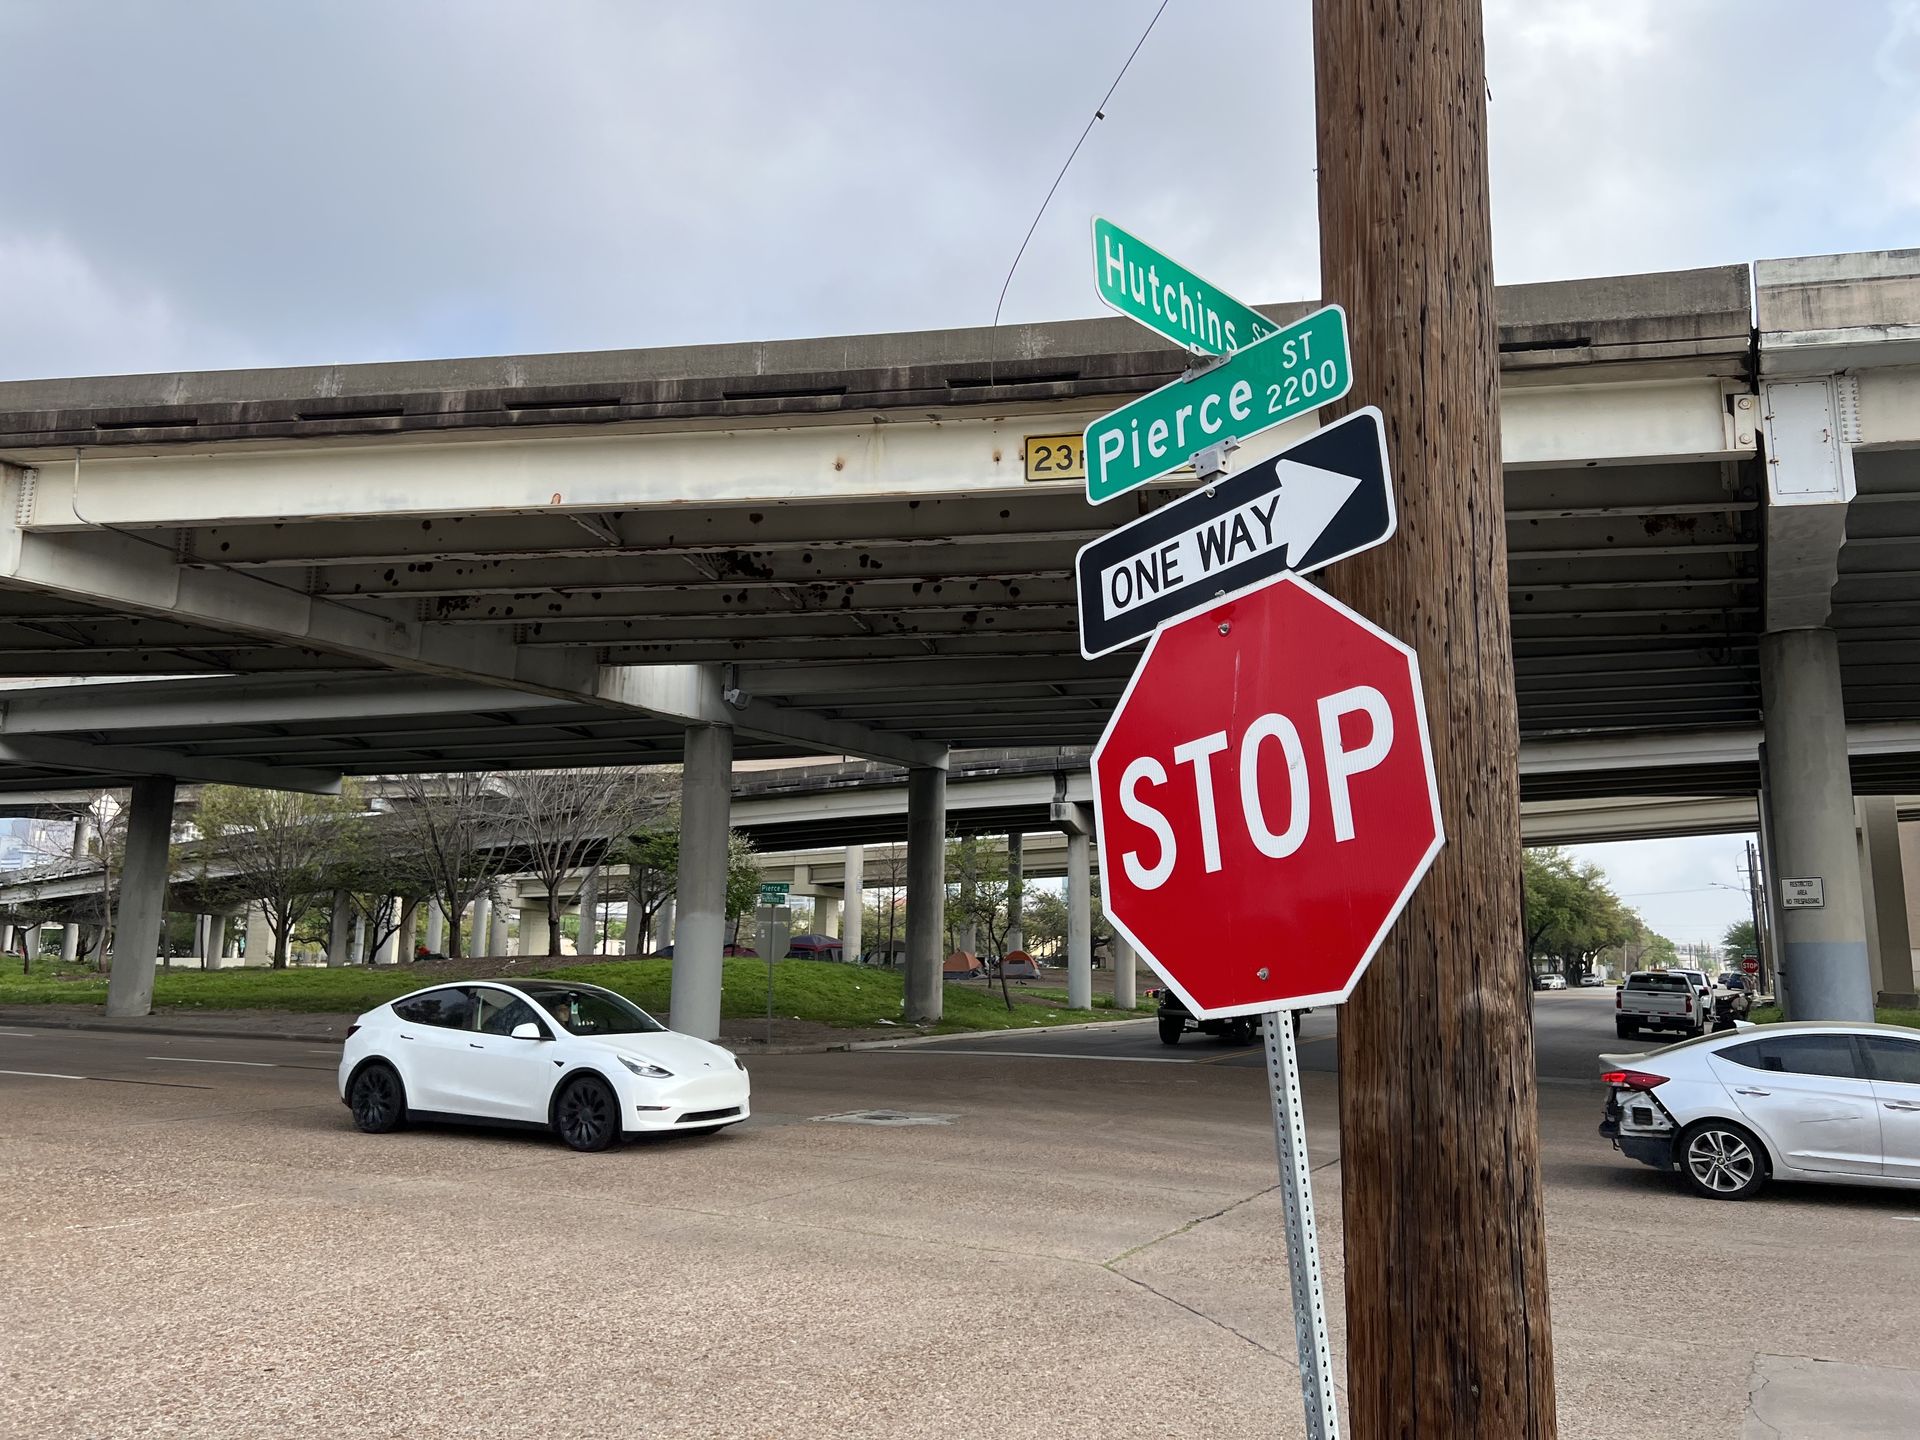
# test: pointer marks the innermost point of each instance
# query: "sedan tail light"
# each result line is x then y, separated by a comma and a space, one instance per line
1633, 1079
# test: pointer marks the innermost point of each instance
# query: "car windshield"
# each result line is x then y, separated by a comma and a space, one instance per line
589, 1010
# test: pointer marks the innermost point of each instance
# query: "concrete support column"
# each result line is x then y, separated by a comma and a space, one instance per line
826, 915
143, 897
853, 902
533, 927
665, 923
259, 936
436, 927
589, 941
409, 928
232, 927
706, 800
926, 892
1884, 891
481, 934
1079, 920
84, 832
69, 943
1016, 892
499, 935
1824, 949
206, 941
1125, 967
362, 941
388, 950
340, 931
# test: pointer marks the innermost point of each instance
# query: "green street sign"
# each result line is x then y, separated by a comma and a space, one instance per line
1292, 371
774, 892
1169, 299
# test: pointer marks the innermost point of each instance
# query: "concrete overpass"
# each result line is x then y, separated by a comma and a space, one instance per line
829, 546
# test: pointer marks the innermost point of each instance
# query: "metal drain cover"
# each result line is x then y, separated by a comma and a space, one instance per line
884, 1117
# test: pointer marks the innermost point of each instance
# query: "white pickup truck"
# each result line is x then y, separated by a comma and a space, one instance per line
1660, 1000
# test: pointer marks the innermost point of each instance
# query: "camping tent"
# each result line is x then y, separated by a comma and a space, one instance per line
1018, 965
961, 965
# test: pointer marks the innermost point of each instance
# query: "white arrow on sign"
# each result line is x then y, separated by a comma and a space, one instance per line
1291, 518
1310, 497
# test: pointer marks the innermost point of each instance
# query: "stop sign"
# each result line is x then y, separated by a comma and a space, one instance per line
1265, 799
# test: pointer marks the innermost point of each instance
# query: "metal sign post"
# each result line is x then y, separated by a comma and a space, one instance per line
1303, 1238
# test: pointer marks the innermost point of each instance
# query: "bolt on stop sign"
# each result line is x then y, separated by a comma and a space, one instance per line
1265, 799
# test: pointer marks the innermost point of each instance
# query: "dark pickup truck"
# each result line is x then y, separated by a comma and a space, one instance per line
1175, 1020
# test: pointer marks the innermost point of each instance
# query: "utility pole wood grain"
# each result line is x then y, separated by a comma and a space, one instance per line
1447, 1322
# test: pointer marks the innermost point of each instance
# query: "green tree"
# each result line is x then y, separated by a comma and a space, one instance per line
652, 856
276, 845
1571, 912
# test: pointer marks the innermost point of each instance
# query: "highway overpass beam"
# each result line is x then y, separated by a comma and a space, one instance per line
1823, 962
143, 896
926, 891
706, 795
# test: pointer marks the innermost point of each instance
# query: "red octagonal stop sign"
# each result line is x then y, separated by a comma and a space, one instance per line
1265, 799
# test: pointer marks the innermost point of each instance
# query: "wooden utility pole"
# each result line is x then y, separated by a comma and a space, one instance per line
1447, 1323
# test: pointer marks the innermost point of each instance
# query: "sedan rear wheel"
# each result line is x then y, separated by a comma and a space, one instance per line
1722, 1160
377, 1099
587, 1114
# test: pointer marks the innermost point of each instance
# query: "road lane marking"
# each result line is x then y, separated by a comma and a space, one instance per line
1045, 1055
19, 1034
196, 1060
105, 1079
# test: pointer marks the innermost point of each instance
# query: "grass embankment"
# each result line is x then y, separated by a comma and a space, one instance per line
1769, 1014
817, 990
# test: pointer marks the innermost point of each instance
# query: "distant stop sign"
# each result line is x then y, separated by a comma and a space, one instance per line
1265, 799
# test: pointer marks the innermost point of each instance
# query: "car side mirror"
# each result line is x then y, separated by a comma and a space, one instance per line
526, 1030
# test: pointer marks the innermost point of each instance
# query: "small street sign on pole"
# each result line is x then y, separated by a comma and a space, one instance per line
1169, 299
1320, 501
1293, 371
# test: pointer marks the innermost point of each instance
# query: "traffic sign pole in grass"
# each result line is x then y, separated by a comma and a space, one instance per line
1169, 299
1294, 370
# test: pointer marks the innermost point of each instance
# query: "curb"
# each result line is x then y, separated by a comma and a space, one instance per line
749, 1048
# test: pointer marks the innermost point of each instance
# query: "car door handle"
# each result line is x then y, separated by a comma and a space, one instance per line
405, 1036
475, 1045
1901, 1105
1743, 1090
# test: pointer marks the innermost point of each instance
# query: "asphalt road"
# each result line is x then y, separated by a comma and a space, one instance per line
1571, 1029
200, 1245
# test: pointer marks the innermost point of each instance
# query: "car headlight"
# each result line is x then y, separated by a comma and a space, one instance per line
643, 1069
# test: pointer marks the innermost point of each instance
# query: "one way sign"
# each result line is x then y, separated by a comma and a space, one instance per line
1324, 499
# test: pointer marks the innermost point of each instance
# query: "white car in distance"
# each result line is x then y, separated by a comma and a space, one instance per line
579, 1060
1827, 1101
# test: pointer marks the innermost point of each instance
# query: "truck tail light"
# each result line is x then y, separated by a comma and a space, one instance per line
1633, 1079
1619, 995
1689, 1005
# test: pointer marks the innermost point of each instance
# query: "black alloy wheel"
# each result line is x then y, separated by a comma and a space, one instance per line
588, 1115
377, 1099
1170, 1029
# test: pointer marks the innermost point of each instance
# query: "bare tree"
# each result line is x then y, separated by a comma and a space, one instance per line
459, 825
377, 863
277, 845
564, 820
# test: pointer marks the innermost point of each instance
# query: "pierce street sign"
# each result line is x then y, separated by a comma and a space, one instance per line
774, 892
1169, 299
1265, 799
1294, 370
1319, 501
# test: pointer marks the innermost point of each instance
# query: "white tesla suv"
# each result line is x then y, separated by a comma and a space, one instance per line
577, 1059
1825, 1101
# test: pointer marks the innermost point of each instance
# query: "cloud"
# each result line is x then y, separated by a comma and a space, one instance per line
62, 315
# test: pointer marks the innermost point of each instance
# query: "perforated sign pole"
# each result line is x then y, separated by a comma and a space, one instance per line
1303, 1237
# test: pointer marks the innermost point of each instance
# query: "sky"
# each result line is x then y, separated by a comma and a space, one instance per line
218, 183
